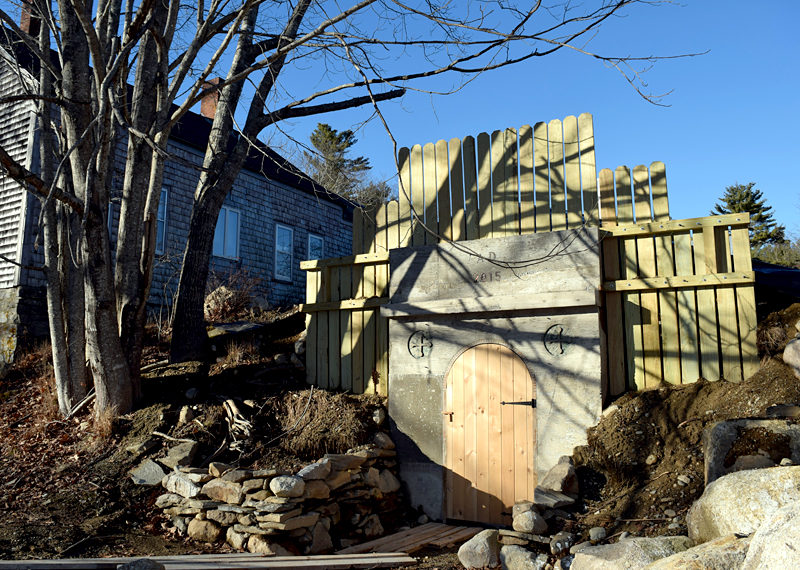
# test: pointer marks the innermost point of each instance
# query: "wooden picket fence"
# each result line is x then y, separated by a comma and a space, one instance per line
678, 295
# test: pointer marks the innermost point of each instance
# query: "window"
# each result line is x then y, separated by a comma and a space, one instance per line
226, 235
284, 237
161, 221
316, 246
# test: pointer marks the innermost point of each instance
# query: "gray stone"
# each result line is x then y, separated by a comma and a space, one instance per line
784, 410
320, 539
561, 542
388, 482
722, 553
521, 507
319, 470
683, 480
237, 540
179, 484
204, 530
250, 529
260, 495
278, 517
372, 477
564, 563
740, 502
148, 473
141, 447
776, 543
575, 548
260, 545
561, 478
181, 454
185, 415
597, 533
530, 522
287, 486
519, 558
316, 489
236, 475
296, 362
547, 499
300, 346
481, 551
527, 537
180, 525
252, 485
791, 355
338, 479
631, 553
169, 500
307, 520
744, 462
786, 461
372, 526
142, 564
379, 416
344, 461
217, 469
225, 491
651, 459
224, 518
382, 440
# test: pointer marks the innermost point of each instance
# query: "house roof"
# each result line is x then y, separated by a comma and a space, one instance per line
193, 130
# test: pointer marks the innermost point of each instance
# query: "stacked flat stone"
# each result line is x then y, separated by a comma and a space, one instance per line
339, 499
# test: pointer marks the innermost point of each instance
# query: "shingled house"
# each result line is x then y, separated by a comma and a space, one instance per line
273, 218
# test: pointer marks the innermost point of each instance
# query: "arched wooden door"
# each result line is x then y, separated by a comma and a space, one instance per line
489, 446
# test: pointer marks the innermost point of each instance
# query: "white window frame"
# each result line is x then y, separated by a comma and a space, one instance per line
163, 202
322, 248
223, 216
278, 275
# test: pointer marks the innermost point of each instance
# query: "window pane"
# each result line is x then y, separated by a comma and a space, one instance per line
219, 234
160, 237
315, 247
232, 234
283, 252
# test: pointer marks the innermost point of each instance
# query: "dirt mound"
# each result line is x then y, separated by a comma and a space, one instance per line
631, 466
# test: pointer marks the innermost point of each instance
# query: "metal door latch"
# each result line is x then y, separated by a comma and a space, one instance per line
531, 403
448, 414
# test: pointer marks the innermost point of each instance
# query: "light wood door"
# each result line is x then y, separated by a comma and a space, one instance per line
489, 446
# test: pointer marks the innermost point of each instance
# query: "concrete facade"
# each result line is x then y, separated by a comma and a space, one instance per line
459, 296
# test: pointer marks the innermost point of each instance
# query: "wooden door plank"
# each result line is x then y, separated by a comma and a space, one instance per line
430, 191
460, 486
521, 437
668, 309
450, 460
482, 379
417, 196
443, 190
588, 169
471, 212
404, 197
541, 177
687, 311
498, 184
745, 303
658, 182
572, 173
456, 190
531, 430
507, 434
705, 262
484, 186
469, 437
527, 216
495, 434
608, 213
558, 210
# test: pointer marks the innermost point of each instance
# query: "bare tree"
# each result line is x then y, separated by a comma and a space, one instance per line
114, 71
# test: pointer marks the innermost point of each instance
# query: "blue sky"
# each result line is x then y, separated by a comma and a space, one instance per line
732, 114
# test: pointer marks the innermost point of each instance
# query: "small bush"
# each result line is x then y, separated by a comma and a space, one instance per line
231, 298
786, 253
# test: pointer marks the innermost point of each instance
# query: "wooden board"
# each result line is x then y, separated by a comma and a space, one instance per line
457, 190
445, 224
745, 303
417, 196
471, 212
687, 311
430, 191
541, 177
558, 213
500, 437
411, 540
572, 173
526, 188
404, 197
705, 262
588, 169
484, 186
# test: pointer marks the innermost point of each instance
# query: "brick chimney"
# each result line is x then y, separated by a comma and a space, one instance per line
29, 21
208, 105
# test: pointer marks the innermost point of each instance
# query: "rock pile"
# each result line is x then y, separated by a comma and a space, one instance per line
337, 501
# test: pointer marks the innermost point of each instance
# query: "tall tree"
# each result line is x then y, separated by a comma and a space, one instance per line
330, 165
747, 198
121, 71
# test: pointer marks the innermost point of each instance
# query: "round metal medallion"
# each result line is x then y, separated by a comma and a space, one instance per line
419, 344
555, 341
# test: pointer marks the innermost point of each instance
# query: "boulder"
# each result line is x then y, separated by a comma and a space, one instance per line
561, 478
236, 475
320, 539
529, 521
382, 440
481, 551
548, 499
791, 355
148, 473
236, 540
721, 553
740, 502
180, 484
225, 491
319, 470
181, 454
287, 486
519, 558
316, 489
204, 530
775, 543
260, 545
630, 553
224, 518
344, 461
217, 469
597, 533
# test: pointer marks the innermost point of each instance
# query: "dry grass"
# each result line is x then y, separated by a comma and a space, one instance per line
103, 423
239, 352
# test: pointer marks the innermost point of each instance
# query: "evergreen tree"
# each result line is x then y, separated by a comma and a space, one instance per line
747, 198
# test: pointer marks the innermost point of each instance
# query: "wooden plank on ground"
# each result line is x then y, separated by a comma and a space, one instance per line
572, 173
380, 543
484, 186
457, 190
687, 311
458, 535
588, 169
541, 177
527, 214
558, 210
745, 303
471, 212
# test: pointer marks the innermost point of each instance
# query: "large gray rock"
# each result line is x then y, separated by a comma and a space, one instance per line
630, 553
481, 551
791, 355
181, 454
225, 491
740, 502
287, 486
148, 473
776, 544
180, 484
519, 558
319, 470
549, 499
204, 530
237, 540
561, 478
530, 522
722, 553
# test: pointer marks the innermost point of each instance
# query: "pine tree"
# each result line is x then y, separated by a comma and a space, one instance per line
330, 165
747, 198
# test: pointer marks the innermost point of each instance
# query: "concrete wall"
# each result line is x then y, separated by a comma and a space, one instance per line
566, 373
